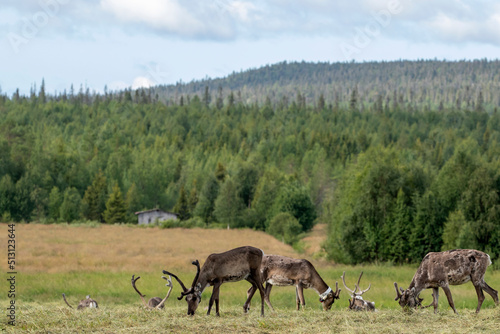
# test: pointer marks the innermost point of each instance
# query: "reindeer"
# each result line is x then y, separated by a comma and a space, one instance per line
357, 303
154, 302
87, 302
439, 270
285, 271
231, 266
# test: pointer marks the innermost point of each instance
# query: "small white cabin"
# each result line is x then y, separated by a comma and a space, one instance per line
151, 216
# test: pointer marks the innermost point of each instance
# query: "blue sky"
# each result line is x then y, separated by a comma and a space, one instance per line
134, 43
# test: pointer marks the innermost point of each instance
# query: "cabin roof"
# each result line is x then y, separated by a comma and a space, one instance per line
155, 210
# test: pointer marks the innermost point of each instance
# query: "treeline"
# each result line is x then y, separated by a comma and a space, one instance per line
392, 182
430, 84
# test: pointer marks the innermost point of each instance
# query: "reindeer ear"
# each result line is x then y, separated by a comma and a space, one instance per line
413, 290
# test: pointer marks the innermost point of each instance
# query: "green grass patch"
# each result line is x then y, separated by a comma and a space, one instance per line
114, 288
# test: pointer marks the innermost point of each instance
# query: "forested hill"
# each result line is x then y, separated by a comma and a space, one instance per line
431, 83
392, 179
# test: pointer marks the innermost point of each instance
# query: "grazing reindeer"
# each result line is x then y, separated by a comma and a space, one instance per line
154, 302
357, 303
439, 270
87, 302
285, 271
231, 266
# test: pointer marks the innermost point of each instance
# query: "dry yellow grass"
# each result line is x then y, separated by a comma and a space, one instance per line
66, 248
313, 241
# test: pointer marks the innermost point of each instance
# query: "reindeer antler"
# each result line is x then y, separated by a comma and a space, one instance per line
191, 289
197, 264
137, 290
185, 291
169, 284
169, 281
357, 286
397, 291
337, 291
343, 281
64, 297
133, 285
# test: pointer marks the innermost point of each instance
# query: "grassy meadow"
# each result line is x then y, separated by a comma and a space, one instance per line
100, 260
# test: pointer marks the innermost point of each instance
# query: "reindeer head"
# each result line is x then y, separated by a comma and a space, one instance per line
193, 294
407, 298
328, 297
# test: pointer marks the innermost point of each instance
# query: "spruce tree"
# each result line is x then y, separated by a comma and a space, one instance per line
219, 103
94, 199
321, 102
193, 199
228, 206
220, 172
182, 206
115, 207
132, 202
55, 201
206, 97
353, 102
70, 209
205, 206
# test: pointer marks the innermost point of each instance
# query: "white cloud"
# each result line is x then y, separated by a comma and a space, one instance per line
451, 28
190, 19
162, 14
223, 20
242, 9
142, 82
467, 26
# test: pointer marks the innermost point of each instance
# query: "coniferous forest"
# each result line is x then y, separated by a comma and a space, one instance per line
399, 158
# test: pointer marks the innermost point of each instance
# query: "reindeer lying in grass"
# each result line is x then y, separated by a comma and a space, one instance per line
154, 302
357, 303
87, 302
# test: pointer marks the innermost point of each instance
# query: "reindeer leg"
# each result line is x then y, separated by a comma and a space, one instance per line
297, 299
480, 297
217, 301
492, 292
267, 293
263, 295
447, 291
250, 293
217, 285
300, 293
435, 298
